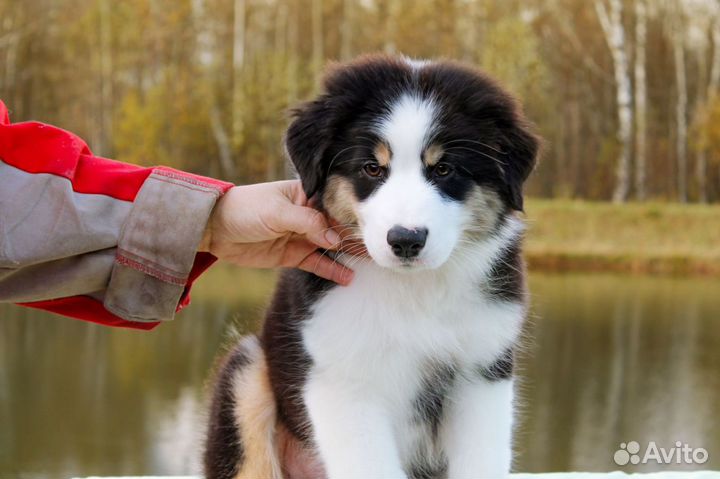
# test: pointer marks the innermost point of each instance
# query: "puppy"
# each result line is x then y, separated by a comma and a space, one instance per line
407, 372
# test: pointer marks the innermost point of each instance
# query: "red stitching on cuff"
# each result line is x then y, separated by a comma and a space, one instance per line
125, 261
186, 184
216, 185
151, 264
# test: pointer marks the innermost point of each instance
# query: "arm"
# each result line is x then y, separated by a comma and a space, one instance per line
96, 239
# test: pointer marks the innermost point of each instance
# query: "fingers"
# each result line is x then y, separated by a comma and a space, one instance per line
310, 223
293, 190
301, 217
321, 265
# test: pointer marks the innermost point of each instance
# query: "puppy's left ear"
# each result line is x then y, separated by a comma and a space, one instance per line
307, 140
521, 147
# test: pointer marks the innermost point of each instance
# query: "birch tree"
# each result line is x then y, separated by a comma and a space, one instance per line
346, 29
293, 74
700, 100
238, 63
206, 57
610, 17
317, 40
709, 98
106, 78
9, 43
691, 25
678, 36
640, 100
391, 12
171, 82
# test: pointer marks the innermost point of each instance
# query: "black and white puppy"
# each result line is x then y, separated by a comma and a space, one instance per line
407, 372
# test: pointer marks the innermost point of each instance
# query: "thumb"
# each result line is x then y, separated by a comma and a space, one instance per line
309, 222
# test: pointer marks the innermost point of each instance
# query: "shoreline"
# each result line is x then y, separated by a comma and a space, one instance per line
635, 238
588, 263
567, 236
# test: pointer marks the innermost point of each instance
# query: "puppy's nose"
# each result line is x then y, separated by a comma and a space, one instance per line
406, 243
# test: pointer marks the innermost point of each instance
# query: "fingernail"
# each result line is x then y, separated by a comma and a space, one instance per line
332, 237
346, 277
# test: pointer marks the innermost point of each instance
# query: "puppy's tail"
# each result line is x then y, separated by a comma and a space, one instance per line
242, 433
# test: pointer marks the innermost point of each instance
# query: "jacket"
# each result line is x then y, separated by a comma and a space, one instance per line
96, 239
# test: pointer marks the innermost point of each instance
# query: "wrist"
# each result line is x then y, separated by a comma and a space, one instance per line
207, 236
206, 240
214, 223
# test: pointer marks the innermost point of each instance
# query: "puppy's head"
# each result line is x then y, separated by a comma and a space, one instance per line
421, 158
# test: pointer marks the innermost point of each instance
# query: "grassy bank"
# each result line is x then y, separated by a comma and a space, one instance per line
660, 238
572, 236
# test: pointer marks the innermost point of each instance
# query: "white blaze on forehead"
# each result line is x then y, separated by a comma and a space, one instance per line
406, 198
416, 64
407, 129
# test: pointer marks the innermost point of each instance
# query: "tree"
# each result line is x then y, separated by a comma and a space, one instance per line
318, 46
678, 41
238, 63
346, 30
392, 12
9, 41
640, 100
106, 78
614, 31
707, 98
205, 84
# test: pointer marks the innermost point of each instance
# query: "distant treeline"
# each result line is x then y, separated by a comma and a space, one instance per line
624, 92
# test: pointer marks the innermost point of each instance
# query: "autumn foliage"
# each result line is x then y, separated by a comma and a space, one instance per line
205, 85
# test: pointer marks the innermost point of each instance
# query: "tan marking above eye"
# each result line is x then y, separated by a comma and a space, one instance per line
382, 154
432, 155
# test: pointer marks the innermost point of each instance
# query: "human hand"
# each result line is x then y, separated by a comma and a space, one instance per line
269, 225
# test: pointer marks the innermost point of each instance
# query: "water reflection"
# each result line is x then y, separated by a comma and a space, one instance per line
613, 359
77, 398
619, 359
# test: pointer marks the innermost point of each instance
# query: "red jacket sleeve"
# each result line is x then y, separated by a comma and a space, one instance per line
78, 191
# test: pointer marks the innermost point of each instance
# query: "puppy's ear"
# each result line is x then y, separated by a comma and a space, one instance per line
521, 148
307, 140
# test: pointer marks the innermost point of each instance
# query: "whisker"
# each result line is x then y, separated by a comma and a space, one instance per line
497, 160
363, 137
476, 142
339, 153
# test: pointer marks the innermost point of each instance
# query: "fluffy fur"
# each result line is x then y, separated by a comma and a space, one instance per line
407, 372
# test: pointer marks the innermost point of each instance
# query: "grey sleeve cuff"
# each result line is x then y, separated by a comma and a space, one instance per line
157, 245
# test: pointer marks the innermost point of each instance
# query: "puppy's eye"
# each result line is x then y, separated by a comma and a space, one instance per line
373, 169
442, 169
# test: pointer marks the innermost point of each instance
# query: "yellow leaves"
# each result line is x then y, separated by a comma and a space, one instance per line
138, 131
510, 52
167, 125
164, 65
706, 127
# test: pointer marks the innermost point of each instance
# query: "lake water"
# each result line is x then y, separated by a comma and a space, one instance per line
611, 359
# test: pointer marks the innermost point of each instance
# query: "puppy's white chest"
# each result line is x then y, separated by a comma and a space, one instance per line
383, 330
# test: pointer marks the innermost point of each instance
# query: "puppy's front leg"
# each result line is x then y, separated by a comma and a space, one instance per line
352, 432
477, 431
